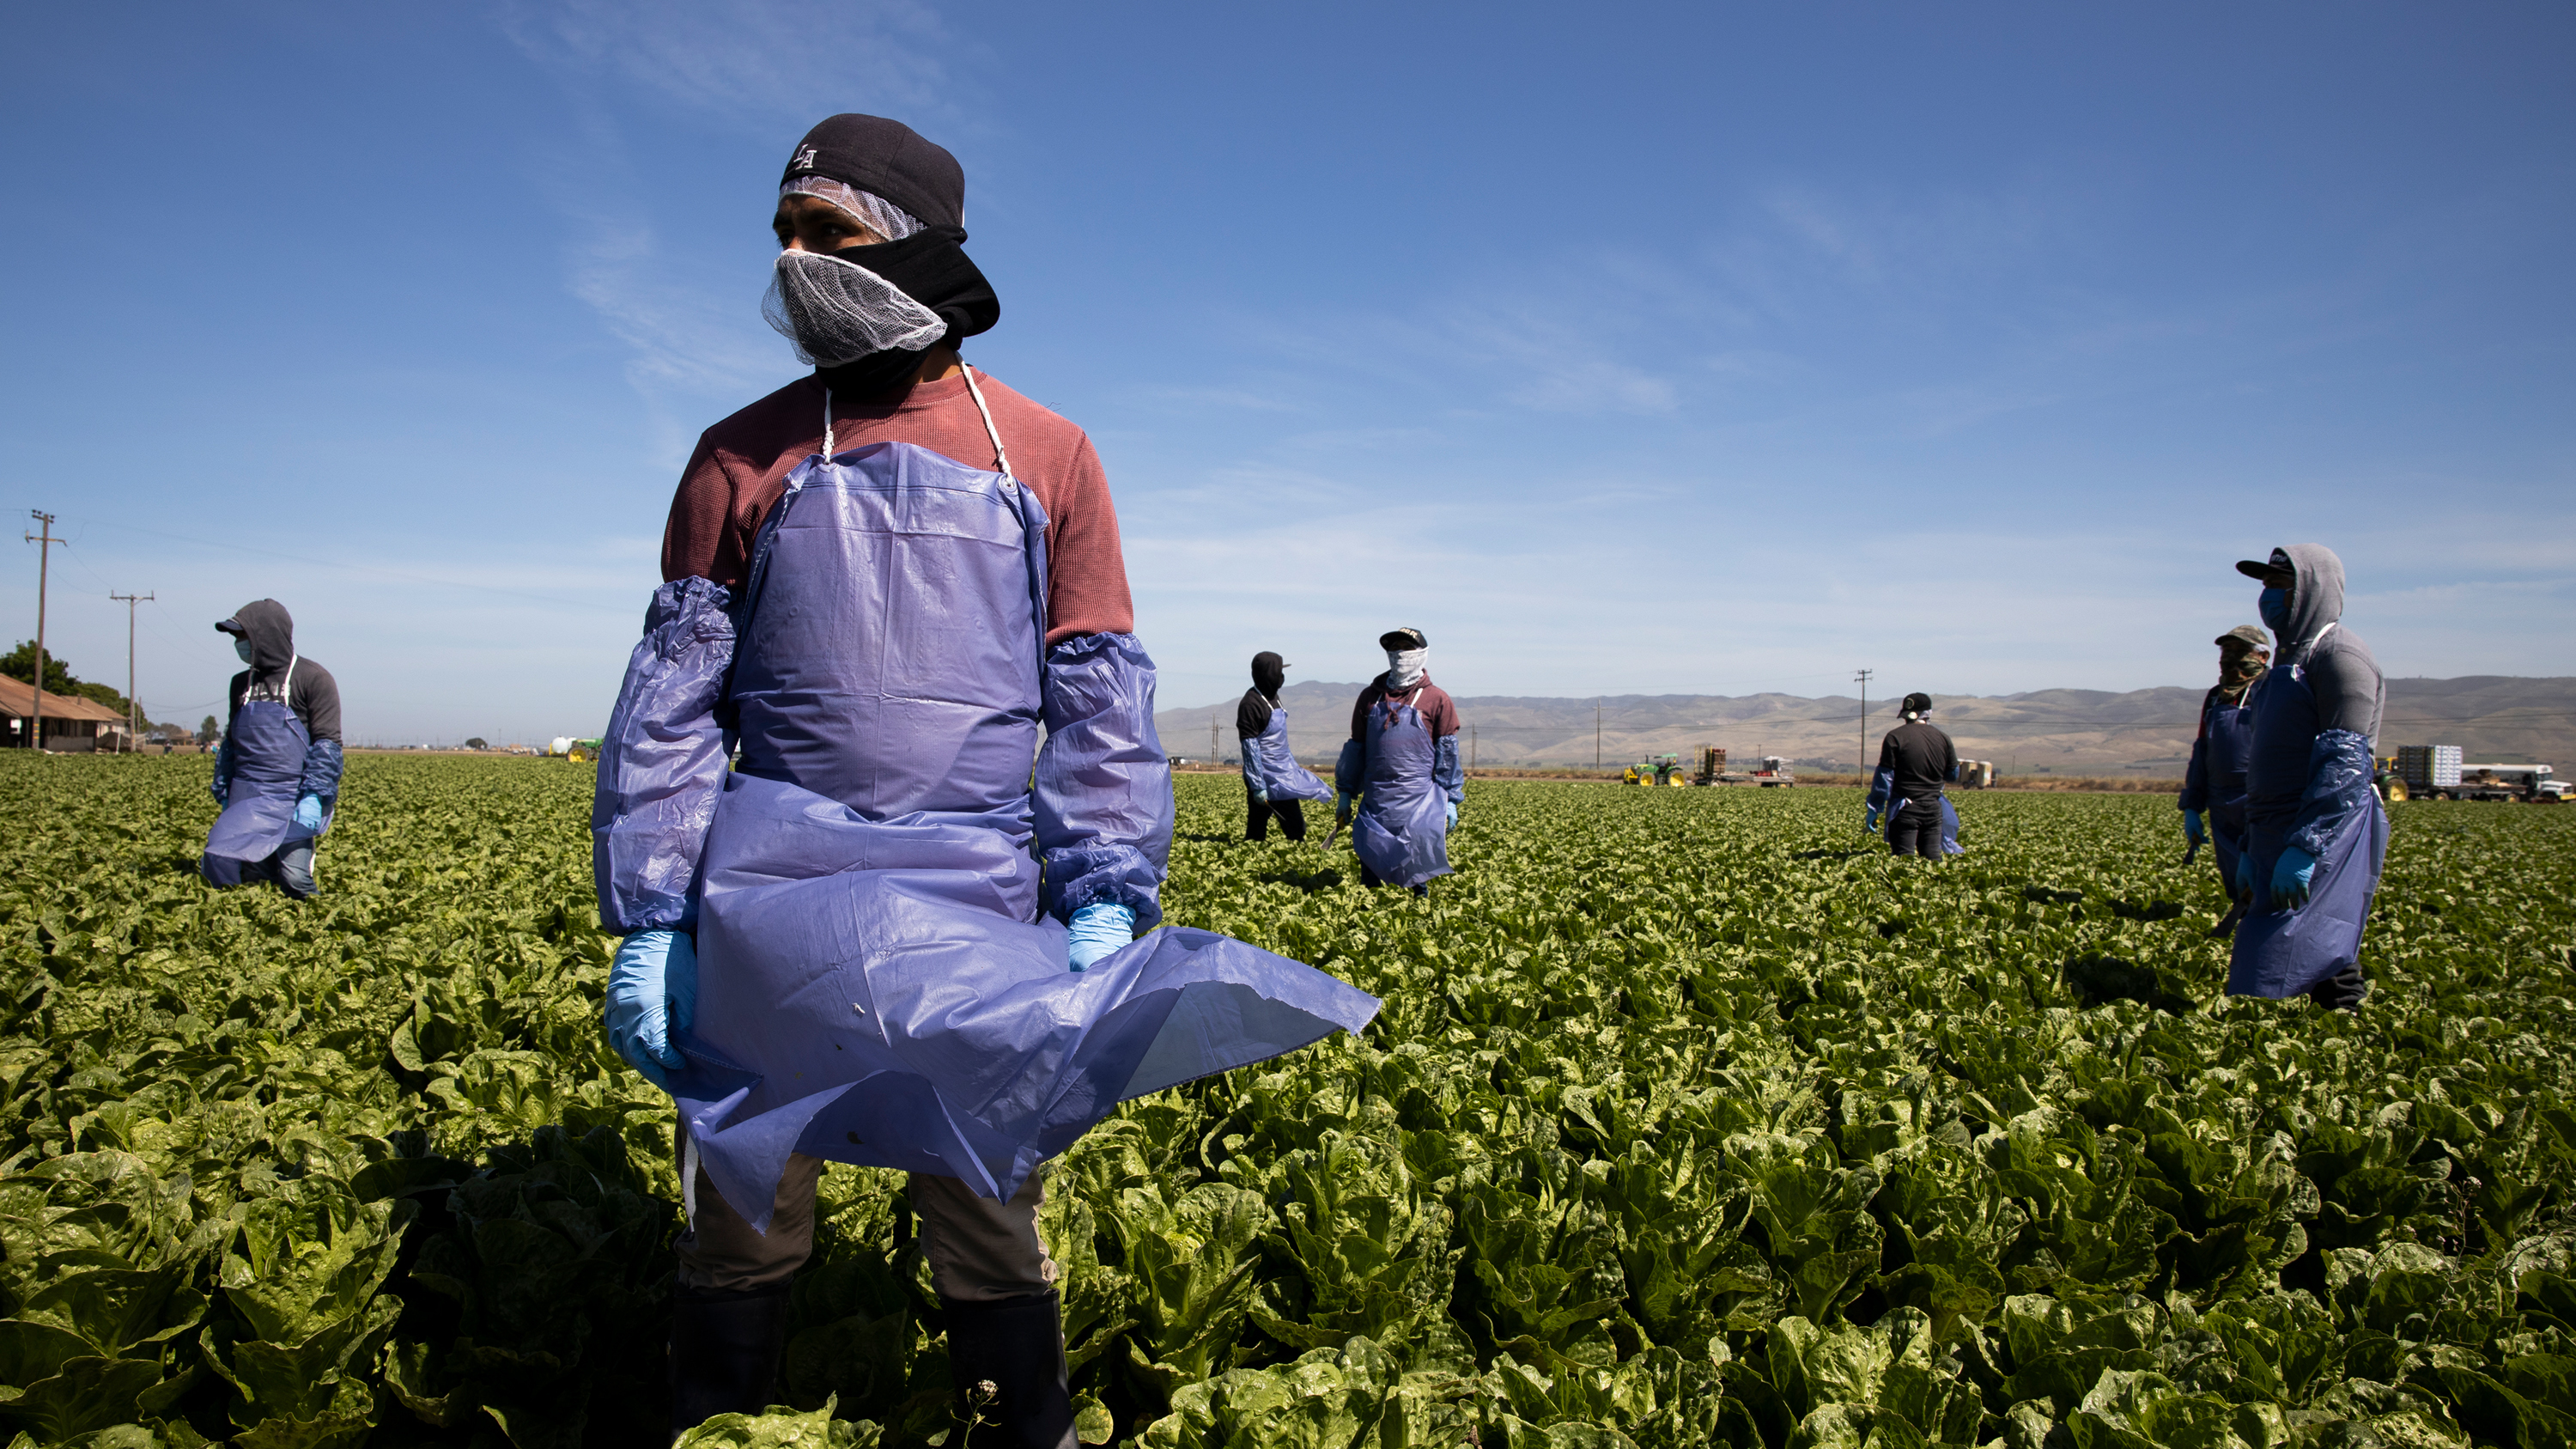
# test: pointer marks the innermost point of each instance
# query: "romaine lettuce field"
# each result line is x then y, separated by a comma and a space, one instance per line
1691, 1118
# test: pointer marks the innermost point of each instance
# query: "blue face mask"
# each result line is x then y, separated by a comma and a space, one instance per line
241, 646
2275, 608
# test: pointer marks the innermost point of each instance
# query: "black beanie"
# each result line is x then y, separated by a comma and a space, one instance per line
888, 158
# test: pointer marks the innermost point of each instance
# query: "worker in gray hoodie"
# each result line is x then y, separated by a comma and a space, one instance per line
277, 778
2315, 833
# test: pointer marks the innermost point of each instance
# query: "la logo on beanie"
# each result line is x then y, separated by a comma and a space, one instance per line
804, 158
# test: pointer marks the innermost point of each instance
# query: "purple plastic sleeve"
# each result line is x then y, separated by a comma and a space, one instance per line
1350, 772
1446, 772
1882, 788
2338, 789
321, 769
662, 762
1104, 785
2195, 776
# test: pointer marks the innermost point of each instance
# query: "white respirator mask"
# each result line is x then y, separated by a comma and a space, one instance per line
1404, 667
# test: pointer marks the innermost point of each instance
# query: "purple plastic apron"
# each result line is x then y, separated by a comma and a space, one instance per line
2281, 952
1268, 762
266, 746
875, 983
1402, 829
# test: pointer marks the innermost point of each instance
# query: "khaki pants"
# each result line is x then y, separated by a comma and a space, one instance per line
979, 1250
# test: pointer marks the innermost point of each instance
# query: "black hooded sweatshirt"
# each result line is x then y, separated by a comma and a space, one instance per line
1269, 676
313, 695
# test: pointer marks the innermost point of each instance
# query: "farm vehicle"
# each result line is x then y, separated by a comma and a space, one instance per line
565, 747
1655, 770
1707, 766
2436, 772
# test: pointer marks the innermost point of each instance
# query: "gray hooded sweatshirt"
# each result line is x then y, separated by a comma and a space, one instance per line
313, 695
2342, 677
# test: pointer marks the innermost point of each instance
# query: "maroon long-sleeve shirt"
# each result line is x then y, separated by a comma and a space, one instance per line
740, 469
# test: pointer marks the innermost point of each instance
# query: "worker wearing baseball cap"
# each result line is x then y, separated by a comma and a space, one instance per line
2315, 833
1401, 764
1273, 782
1914, 760
897, 585
277, 777
2215, 780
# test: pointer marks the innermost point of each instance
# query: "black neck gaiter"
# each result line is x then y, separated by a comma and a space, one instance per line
932, 268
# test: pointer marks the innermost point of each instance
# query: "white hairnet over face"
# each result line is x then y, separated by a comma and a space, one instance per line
874, 212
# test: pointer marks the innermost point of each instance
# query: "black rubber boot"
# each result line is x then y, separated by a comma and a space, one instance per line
1017, 1346
725, 1349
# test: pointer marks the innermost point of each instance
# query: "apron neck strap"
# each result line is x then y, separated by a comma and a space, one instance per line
1001, 460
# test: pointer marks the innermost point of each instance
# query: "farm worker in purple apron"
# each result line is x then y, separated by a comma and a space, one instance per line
1273, 781
1401, 762
277, 776
873, 939
2215, 780
1914, 760
2315, 833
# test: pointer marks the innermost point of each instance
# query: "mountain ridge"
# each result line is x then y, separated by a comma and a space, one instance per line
2497, 718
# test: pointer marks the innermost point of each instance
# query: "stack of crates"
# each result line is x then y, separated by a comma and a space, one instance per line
2429, 767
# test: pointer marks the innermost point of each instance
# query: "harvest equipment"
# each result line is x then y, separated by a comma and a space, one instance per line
565, 747
2528, 783
1655, 770
2436, 772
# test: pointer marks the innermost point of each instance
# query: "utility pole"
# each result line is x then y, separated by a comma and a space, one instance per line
1596, 734
1471, 747
44, 557
133, 707
1863, 677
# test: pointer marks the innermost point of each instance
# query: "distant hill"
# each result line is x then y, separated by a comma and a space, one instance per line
2498, 718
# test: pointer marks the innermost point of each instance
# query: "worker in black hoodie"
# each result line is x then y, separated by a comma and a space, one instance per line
1914, 761
277, 776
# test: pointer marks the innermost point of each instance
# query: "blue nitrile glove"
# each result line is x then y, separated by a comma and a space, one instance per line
1095, 931
1869, 819
2290, 875
652, 992
308, 813
1257, 792
1453, 814
2191, 827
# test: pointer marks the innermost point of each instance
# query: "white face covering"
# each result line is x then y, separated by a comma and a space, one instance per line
837, 311
1404, 667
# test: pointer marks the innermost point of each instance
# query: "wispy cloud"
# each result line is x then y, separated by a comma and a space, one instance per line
757, 65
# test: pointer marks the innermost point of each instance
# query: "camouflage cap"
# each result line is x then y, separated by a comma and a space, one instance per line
2248, 633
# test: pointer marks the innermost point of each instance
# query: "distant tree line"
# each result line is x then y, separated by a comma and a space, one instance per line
20, 664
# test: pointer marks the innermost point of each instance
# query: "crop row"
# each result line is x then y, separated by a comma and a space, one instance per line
1690, 1118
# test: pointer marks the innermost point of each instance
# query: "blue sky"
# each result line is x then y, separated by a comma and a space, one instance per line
1692, 349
